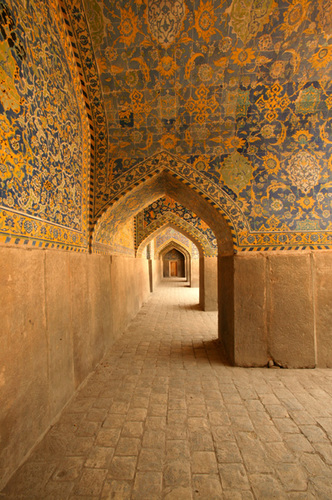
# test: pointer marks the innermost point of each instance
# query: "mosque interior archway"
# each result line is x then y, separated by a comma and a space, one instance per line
119, 120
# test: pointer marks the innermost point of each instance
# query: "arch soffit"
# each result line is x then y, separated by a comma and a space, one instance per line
166, 161
159, 182
182, 230
169, 245
194, 234
104, 195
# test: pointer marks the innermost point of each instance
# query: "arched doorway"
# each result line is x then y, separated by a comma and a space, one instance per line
174, 264
165, 182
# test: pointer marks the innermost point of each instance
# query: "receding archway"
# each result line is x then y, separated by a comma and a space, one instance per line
184, 228
169, 246
148, 191
174, 264
180, 189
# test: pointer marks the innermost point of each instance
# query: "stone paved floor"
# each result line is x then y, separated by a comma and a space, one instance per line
164, 417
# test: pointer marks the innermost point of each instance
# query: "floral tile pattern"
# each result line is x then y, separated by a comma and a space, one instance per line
238, 90
44, 137
170, 234
166, 209
234, 97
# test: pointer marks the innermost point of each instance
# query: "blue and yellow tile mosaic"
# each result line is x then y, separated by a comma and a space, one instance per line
44, 135
234, 97
166, 210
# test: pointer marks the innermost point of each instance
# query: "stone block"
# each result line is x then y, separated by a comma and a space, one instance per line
24, 411
58, 318
226, 304
208, 283
81, 323
250, 328
291, 341
323, 310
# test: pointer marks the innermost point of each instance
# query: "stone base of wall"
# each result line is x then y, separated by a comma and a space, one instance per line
277, 307
60, 312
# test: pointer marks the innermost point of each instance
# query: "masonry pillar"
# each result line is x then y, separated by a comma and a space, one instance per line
226, 304
208, 291
194, 283
271, 309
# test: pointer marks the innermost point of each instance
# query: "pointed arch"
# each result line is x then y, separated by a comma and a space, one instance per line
149, 188
168, 245
170, 219
173, 245
215, 198
180, 229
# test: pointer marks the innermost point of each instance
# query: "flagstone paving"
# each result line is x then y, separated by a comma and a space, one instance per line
165, 417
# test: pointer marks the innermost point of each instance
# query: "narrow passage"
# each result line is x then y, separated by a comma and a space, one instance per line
164, 417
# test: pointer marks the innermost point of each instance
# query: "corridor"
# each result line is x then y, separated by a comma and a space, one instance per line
165, 417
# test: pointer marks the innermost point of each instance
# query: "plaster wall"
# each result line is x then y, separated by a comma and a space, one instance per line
60, 312
282, 309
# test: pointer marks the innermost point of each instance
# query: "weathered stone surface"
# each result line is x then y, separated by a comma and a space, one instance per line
25, 408
251, 347
200, 435
290, 310
323, 310
58, 327
226, 304
208, 292
56, 324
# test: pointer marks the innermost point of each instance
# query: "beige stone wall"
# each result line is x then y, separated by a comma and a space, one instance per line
194, 278
208, 283
156, 268
60, 312
282, 308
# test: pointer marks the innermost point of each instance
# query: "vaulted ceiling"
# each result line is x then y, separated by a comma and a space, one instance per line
238, 90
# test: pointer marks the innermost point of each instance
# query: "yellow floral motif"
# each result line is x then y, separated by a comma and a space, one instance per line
128, 26
234, 142
236, 171
205, 20
125, 235
322, 57
168, 141
139, 106
203, 105
294, 16
124, 112
242, 56
306, 203
274, 102
271, 163
248, 17
302, 137
201, 164
273, 224
167, 67
9, 96
13, 164
328, 102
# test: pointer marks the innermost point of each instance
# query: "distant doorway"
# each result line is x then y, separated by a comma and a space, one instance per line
174, 264
173, 268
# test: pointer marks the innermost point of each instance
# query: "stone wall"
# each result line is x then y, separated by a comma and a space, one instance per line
60, 312
281, 309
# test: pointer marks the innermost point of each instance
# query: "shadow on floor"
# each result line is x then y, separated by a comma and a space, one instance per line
203, 351
191, 307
